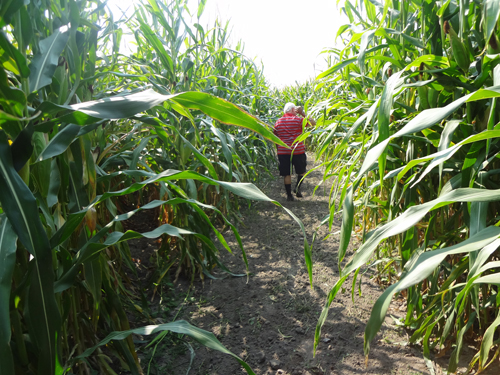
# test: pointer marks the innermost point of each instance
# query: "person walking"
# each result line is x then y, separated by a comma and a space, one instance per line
288, 128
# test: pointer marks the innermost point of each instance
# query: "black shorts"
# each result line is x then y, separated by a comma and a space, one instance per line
299, 162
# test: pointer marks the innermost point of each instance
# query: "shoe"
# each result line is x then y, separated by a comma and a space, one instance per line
298, 194
290, 198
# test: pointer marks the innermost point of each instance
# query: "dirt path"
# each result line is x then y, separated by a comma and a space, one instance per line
269, 321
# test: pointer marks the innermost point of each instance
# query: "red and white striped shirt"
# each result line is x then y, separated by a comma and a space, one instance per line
288, 128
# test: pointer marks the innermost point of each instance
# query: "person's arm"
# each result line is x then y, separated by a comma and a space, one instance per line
310, 121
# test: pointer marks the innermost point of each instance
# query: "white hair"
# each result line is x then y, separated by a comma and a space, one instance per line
288, 107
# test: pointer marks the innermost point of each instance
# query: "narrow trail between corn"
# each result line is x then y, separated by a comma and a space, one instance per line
270, 320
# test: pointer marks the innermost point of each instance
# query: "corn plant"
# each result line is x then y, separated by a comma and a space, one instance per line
174, 56
412, 142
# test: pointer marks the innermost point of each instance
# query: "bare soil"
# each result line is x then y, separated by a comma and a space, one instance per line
269, 320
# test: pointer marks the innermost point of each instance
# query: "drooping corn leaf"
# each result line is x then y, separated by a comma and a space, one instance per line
125, 106
424, 265
225, 112
441, 156
402, 223
244, 190
412, 216
205, 338
93, 247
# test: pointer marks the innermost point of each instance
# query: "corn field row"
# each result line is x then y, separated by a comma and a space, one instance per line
407, 131
88, 138
410, 135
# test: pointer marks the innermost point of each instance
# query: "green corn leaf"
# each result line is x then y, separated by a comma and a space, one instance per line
443, 8
93, 280
414, 41
40, 172
225, 112
494, 278
453, 364
8, 9
347, 224
92, 248
244, 190
490, 17
488, 93
60, 142
365, 41
228, 155
482, 257
411, 217
478, 213
324, 313
424, 120
202, 158
26, 29
126, 106
487, 342
21, 209
77, 194
444, 141
420, 269
337, 67
432, 136
384, 114
432, 60
8, 248
12, 59
45, 62
55, 184
137, 152
345, 62
201, 7
22, 148
13, 102
119, 106
158, 46
386, 101
205, 338
440, 157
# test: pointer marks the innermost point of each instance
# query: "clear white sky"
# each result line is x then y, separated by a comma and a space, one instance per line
287, 35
